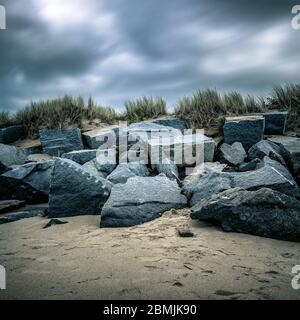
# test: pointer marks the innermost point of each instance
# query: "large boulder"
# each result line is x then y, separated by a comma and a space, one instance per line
212, 182
169, 169
124, 171
75, 191
269, 149
234, 154
10, 155
249, 166
11, 205
28, 182
92, 169
140, 200
11, 134
247, 130
25, 213
103, 137
265, 212
275, 122
58, 142
81, 156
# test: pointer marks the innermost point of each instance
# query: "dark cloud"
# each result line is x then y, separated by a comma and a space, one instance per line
119, 50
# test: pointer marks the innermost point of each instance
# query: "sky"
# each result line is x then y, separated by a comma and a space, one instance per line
118, 50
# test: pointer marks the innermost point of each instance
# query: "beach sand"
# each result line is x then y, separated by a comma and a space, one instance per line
79, 260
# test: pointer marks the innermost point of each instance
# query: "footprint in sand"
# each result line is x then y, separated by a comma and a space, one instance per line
225, 293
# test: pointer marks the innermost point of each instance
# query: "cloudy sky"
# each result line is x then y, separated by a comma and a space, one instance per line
115, 50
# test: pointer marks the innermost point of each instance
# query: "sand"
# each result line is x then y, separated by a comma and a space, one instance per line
79, 260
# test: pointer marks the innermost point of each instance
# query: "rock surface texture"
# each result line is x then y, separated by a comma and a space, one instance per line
11, 134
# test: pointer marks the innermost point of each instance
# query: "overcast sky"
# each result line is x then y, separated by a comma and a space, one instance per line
115, 50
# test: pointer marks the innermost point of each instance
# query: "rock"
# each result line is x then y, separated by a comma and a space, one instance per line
10, 155
58, 142
81, 156
124, 171
54, 222
291, 152
266, 148
169, 169
40, 157
106, 160
250, 166
275, 122
139, 200
74, 191
234, 154
28, 182
11, 134
247, 130
92, 169
104, 137
265, 212
185, 233
23, 214
172, 122
10, 205
213, 182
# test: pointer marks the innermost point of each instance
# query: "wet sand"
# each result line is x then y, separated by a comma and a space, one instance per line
79, 260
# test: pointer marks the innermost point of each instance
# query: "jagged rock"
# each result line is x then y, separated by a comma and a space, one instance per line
10, 205
54, 222
275, 122
23, 214
139, 200
74, 191
58, 142
245, 129
92, 169
266, 148
40, 157
104, 137
81, 156
106, 160
10, 155
124, 171
172, 122
213, 182
265, 212
28, 182
11, 134
291, 152
234, 154
169, 169
250, 166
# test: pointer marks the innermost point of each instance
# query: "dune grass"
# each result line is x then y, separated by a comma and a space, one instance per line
144, 108
207, 108
287, 98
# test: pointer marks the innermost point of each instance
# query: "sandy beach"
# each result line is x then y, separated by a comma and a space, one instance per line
78, 260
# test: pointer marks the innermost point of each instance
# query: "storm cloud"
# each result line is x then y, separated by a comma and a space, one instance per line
115, 50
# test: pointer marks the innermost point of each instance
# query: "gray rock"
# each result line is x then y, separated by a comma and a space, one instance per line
169, 169
81, 156
213, 182
10, 205
250, 166
23, 214
124, 171
10, 155
266, 148
74, 191
247, 129
92, 169
172, 122
234, 154
54, 222
58, 142
106, 160
265, 212
275, 122
104, 137
139, 200
28, 182
11, 134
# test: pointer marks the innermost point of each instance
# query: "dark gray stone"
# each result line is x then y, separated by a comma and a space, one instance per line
234, 154
139, 200
173, 123
81, 156
106, 160
28, 182
54, 222
124, 171
247, 129
11, 134
265, 212
169, 169
106, 138
10, 155
58, 142
250, 166
10, 205
92, 169
74, 191
275, 122
23, 214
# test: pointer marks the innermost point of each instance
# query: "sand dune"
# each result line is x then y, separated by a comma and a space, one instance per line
79, 260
